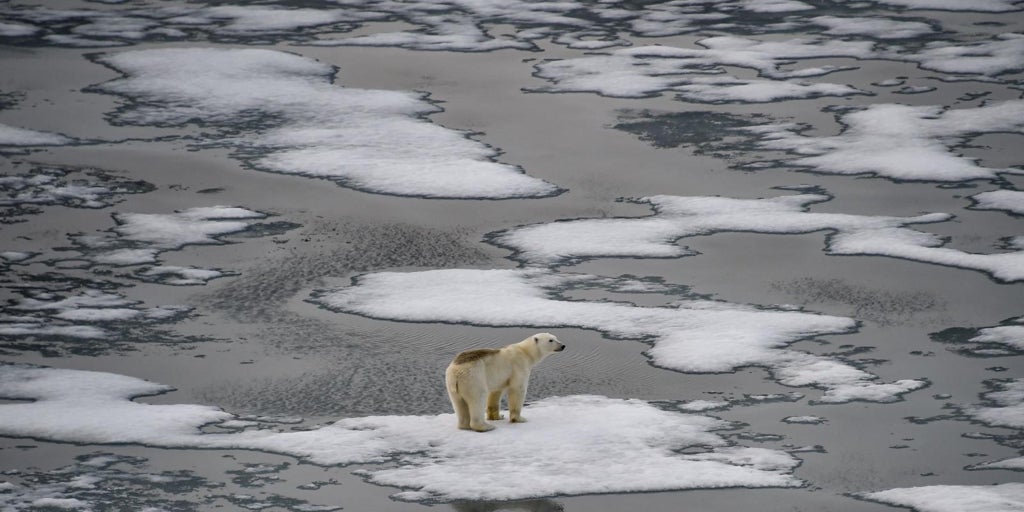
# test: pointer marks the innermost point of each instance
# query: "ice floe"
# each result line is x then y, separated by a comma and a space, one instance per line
1008, 200
282, 113
806, 420
692, 335
1005, 405
899, 142
956, 5
578, 444
677, 217
1008, 497
140, 237
877, 27
1002, 54
14, 136
698, 74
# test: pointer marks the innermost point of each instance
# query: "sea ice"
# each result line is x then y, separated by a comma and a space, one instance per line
957, 5
1010, 335
808, 420
292, 119
1006, 407
692, 335
51, 314
652, 70
877, 27
1008, 497
45, 185
677, 217
139, 238
578, 444
1009, 200
1002, 54
14, 136
899, 141
16, 30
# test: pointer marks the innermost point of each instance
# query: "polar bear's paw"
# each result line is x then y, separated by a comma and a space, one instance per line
483, 427
517, 419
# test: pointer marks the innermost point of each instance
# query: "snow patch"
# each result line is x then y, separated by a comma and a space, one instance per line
292, 119
899, 141
579, 444
1008, 497
692, 335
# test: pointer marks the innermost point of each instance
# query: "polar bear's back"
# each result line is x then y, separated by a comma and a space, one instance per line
474, 355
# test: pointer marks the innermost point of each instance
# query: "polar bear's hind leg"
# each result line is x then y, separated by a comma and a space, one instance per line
494, 405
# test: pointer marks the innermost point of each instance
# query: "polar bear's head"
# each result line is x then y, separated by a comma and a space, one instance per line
547, 344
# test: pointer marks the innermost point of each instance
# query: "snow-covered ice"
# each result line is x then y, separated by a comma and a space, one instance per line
83, 314
579, 444
692, 335
1007, 200
15, 136
699, 74
1008, 497
293, 119
881, 28
139, 238
900, 142
1005, 405
676, 217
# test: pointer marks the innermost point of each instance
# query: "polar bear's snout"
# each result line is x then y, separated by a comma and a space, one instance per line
560, 348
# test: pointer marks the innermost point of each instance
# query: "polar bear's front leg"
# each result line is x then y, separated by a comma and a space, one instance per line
516, 395
494, 404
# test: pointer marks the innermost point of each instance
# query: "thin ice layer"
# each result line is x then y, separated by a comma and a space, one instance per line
75, 315
579, 444
677, 217
690, 336
900, 142
1008, 497
292, 119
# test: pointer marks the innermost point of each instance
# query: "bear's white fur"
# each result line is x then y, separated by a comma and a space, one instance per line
477, 379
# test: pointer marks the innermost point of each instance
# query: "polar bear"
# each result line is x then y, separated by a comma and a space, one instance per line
478, 378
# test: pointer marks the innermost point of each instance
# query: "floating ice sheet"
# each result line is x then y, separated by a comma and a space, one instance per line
1008, 200
285, 115
578, 444
1008, 497
14, 136
677, 217
692, 335
877, 27
139, 238
698, 74
900, 142
956, 5
1005, 405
